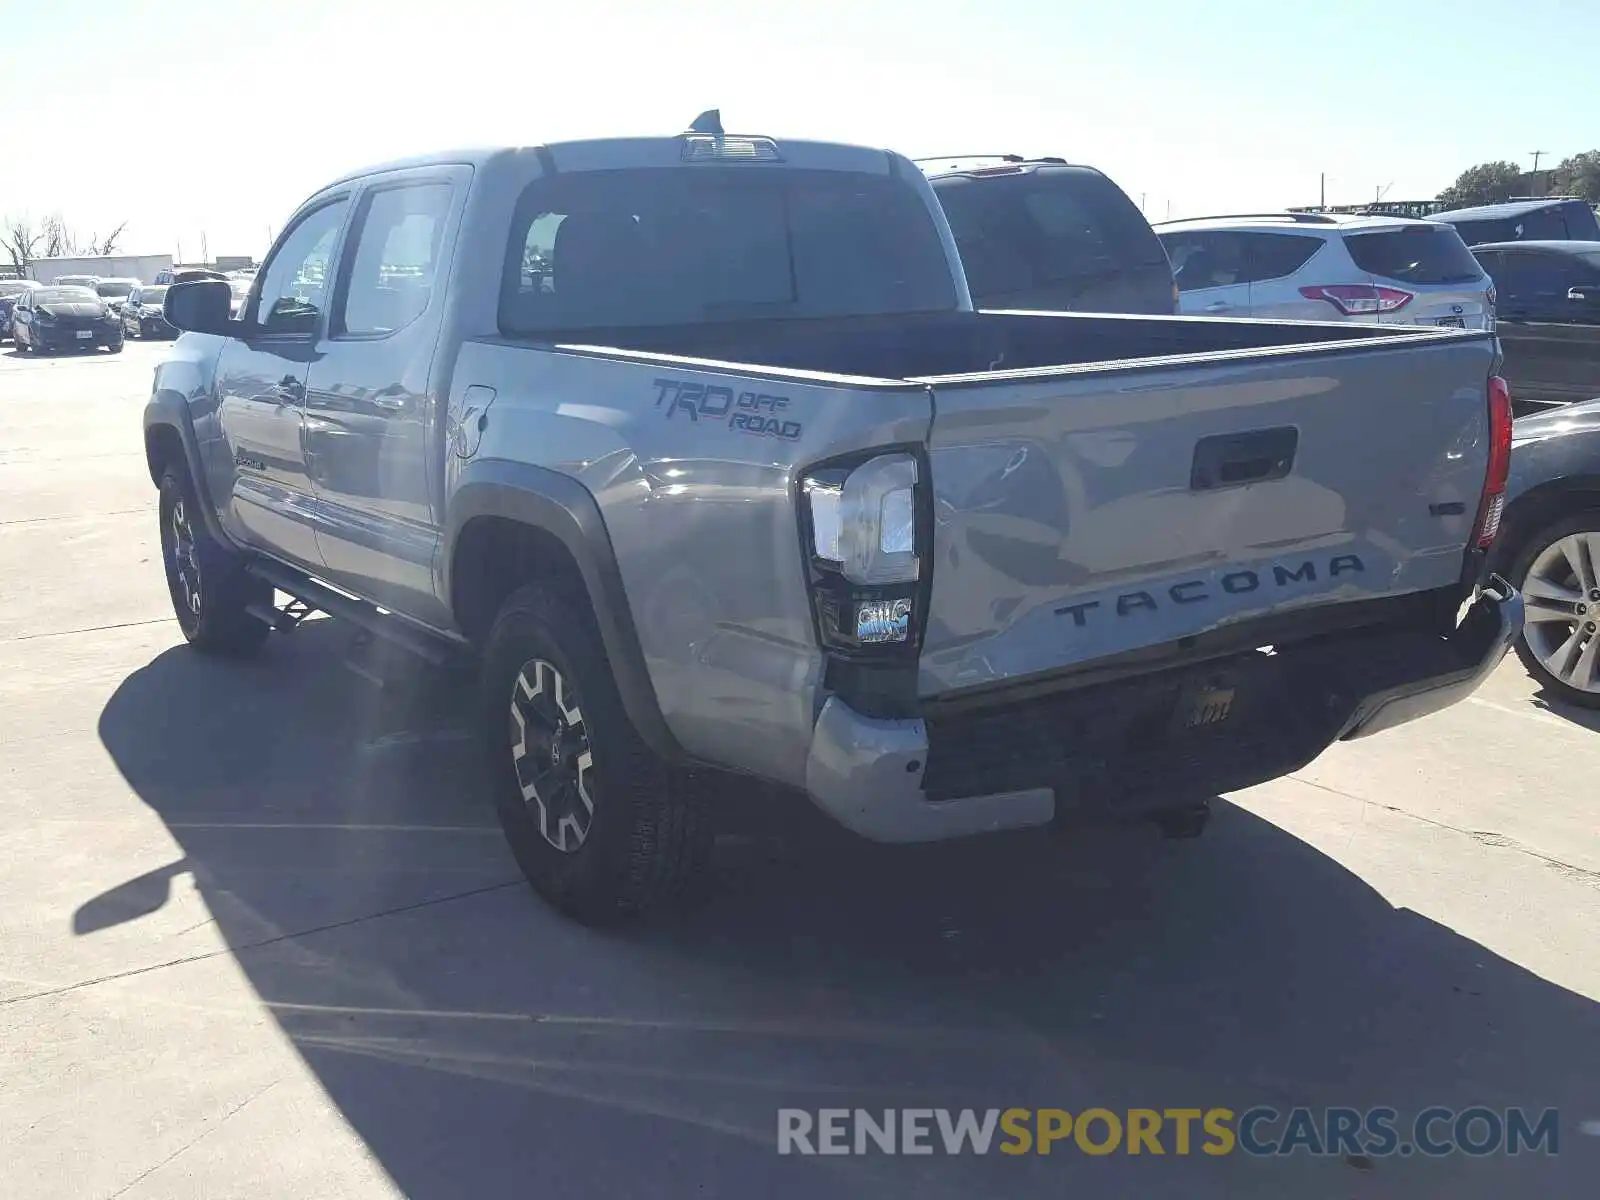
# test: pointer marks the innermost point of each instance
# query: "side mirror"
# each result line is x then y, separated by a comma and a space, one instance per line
200, 306
1585, 293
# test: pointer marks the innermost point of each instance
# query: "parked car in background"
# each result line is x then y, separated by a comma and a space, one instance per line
1045, 234
1328, 267
240, 291
1549, 548
1549, 319
115, 291
47, 319
1562, 218
83, 281
141, 312
10, 289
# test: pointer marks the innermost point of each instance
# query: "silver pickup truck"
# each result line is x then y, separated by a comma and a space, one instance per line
698, 446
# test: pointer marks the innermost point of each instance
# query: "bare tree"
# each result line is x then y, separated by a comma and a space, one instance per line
107, 244
52, 237
58, 239
20, 240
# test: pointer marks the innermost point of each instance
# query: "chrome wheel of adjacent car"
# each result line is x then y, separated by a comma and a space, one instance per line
550, 747
1561, 594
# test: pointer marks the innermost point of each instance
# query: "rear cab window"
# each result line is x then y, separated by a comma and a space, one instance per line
671, 246
1420, 254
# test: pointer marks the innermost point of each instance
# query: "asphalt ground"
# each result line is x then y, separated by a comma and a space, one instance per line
259, 935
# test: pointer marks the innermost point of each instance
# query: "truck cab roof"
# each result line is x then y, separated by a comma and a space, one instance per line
600, 154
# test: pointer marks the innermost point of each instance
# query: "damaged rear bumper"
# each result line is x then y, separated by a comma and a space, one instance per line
1119, 749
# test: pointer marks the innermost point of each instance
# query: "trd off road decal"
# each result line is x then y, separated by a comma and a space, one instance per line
755, 413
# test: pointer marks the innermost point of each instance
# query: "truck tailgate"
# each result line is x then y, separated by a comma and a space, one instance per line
1091, 511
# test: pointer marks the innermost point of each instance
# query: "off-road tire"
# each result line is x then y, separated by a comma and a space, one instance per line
217, 623
648, 837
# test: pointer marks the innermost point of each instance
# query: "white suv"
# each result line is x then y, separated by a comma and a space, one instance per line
1328, 267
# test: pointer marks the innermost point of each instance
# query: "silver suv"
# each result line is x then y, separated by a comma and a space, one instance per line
1327, 267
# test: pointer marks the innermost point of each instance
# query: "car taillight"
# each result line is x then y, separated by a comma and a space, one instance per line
1493, 503
864, 528
1359, 299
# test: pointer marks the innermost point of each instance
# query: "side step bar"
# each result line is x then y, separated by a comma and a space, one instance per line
358, 612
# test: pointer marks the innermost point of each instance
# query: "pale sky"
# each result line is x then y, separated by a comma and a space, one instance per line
220, 116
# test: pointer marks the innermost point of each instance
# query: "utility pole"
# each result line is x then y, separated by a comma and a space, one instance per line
1537, 155
1142, 195
1322, 189
205, 252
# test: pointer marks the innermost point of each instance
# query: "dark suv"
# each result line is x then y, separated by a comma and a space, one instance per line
1549, 318
1044, 234
1551, 219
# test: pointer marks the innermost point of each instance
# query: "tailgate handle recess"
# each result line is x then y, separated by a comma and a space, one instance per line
1233, 459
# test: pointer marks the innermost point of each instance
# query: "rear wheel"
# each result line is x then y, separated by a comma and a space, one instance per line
207, 581
1558, 573
599, 825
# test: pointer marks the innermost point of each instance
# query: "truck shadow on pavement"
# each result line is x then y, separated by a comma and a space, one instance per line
482, 1046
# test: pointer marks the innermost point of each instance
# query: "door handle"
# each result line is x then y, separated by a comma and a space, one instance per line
1217, 306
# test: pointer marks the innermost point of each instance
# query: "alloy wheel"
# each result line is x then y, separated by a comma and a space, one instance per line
185, 557
550, 748
1561, 595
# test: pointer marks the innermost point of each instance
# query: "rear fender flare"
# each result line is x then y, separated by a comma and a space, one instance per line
561, 506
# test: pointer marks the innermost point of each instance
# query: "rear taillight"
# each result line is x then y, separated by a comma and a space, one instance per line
1359, 299
864, 527
1493, 504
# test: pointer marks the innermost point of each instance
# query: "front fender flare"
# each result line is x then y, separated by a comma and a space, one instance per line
562, 507
167, 409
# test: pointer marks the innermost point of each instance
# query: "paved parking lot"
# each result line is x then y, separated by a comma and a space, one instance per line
259, 935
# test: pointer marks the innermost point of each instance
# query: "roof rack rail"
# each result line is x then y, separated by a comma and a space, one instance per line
1010, 158
1307, 218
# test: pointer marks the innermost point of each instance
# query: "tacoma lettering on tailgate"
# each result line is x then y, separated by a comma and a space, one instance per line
1233, 583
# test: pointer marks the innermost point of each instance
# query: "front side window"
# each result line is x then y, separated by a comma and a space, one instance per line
695, 244
391, 274
295, 282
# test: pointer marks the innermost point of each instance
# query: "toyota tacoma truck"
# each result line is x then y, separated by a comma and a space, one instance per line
698, 448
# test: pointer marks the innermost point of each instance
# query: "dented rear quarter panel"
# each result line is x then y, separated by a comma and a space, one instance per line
694, 467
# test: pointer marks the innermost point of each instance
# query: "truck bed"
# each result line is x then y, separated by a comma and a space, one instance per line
1107, 484
916, 346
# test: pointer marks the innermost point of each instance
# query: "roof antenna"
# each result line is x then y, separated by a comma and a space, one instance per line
709, 121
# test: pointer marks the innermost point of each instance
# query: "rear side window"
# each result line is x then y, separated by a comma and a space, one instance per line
391, 275
1582, 223
1022, 232
695, 244
1477, 233
1414, 254
1274, 255
1544, 224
